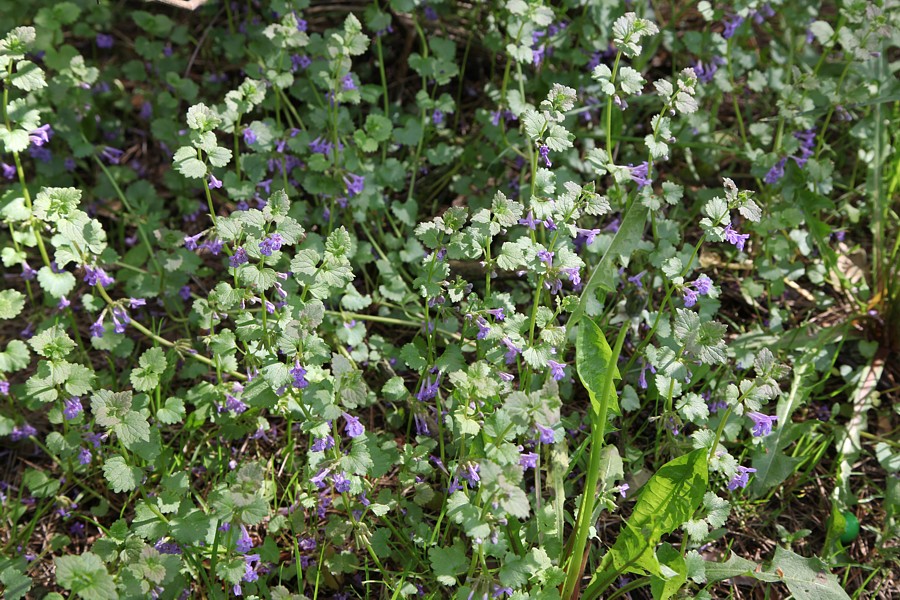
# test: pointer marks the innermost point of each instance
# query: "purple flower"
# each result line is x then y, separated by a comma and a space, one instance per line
185, 292
557, 370
72, 408
84, 456
690, 297
703, 284
318, 479
239, 257
214, 183
355, 184
546, 434
574, 275
776, 172
97, 328
136, 303
483, 328
111, 155
731, 25
623, 488
736, 239
214, 246
636, 279
546, 257
741, 479
544, 151
251, 561
762, 424
249, 136
437, 117
512, 351
28, 274
528, 460
497, 313
507, 377
353, 428
429, 389
298, 373
4, 387
347, 83
640, 174
429, 12
271, 243
320, 146
97, 276
235, 405
340, 482
21, 432
105, 41
9, 171
588, 235
40, 136
529, 221
470, 474
807, 143
322, 444
190, 242
244, 542
300, 61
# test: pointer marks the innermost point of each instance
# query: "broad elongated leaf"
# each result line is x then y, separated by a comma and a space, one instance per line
806, 578
593, 357
666, 501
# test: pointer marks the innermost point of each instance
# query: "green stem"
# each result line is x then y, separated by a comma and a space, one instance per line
598, 420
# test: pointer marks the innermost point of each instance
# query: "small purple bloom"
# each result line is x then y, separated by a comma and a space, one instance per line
437, 117
736, 239
341, 482
271, 243
731, 25
9, 171
41, 135
4, 388
347, 83
623, 488
776, 172
214, 183
544, 151
355, 184
429, 389
105, 41
546, 257
588, 235
353, 428
483, 328
322, 444
97, 276
507, 377
244, 542
529, 221
690, 297
239, 257
235, 405
249, 136
762, 424
636, 279
546, 434
298, 373
97, 328
497, 313
190, 242
741, 479
111, 155
703, 284
640, 174
185, 292
19, 433
136, 303
557, 370
528, 460
72, 408
84, 456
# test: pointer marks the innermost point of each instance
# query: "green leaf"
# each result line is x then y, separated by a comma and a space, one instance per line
593, 357
806, 578
152, 365
674, 569
172, 412
667, 500
53, 343
121, 476
735, 566
55, 284
28, 76
624, 244
86, 576
11, 303
187, 163
15, 357
15, 583
447, 563
40, 485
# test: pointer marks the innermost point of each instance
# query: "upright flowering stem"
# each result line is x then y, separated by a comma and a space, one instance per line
586, 509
